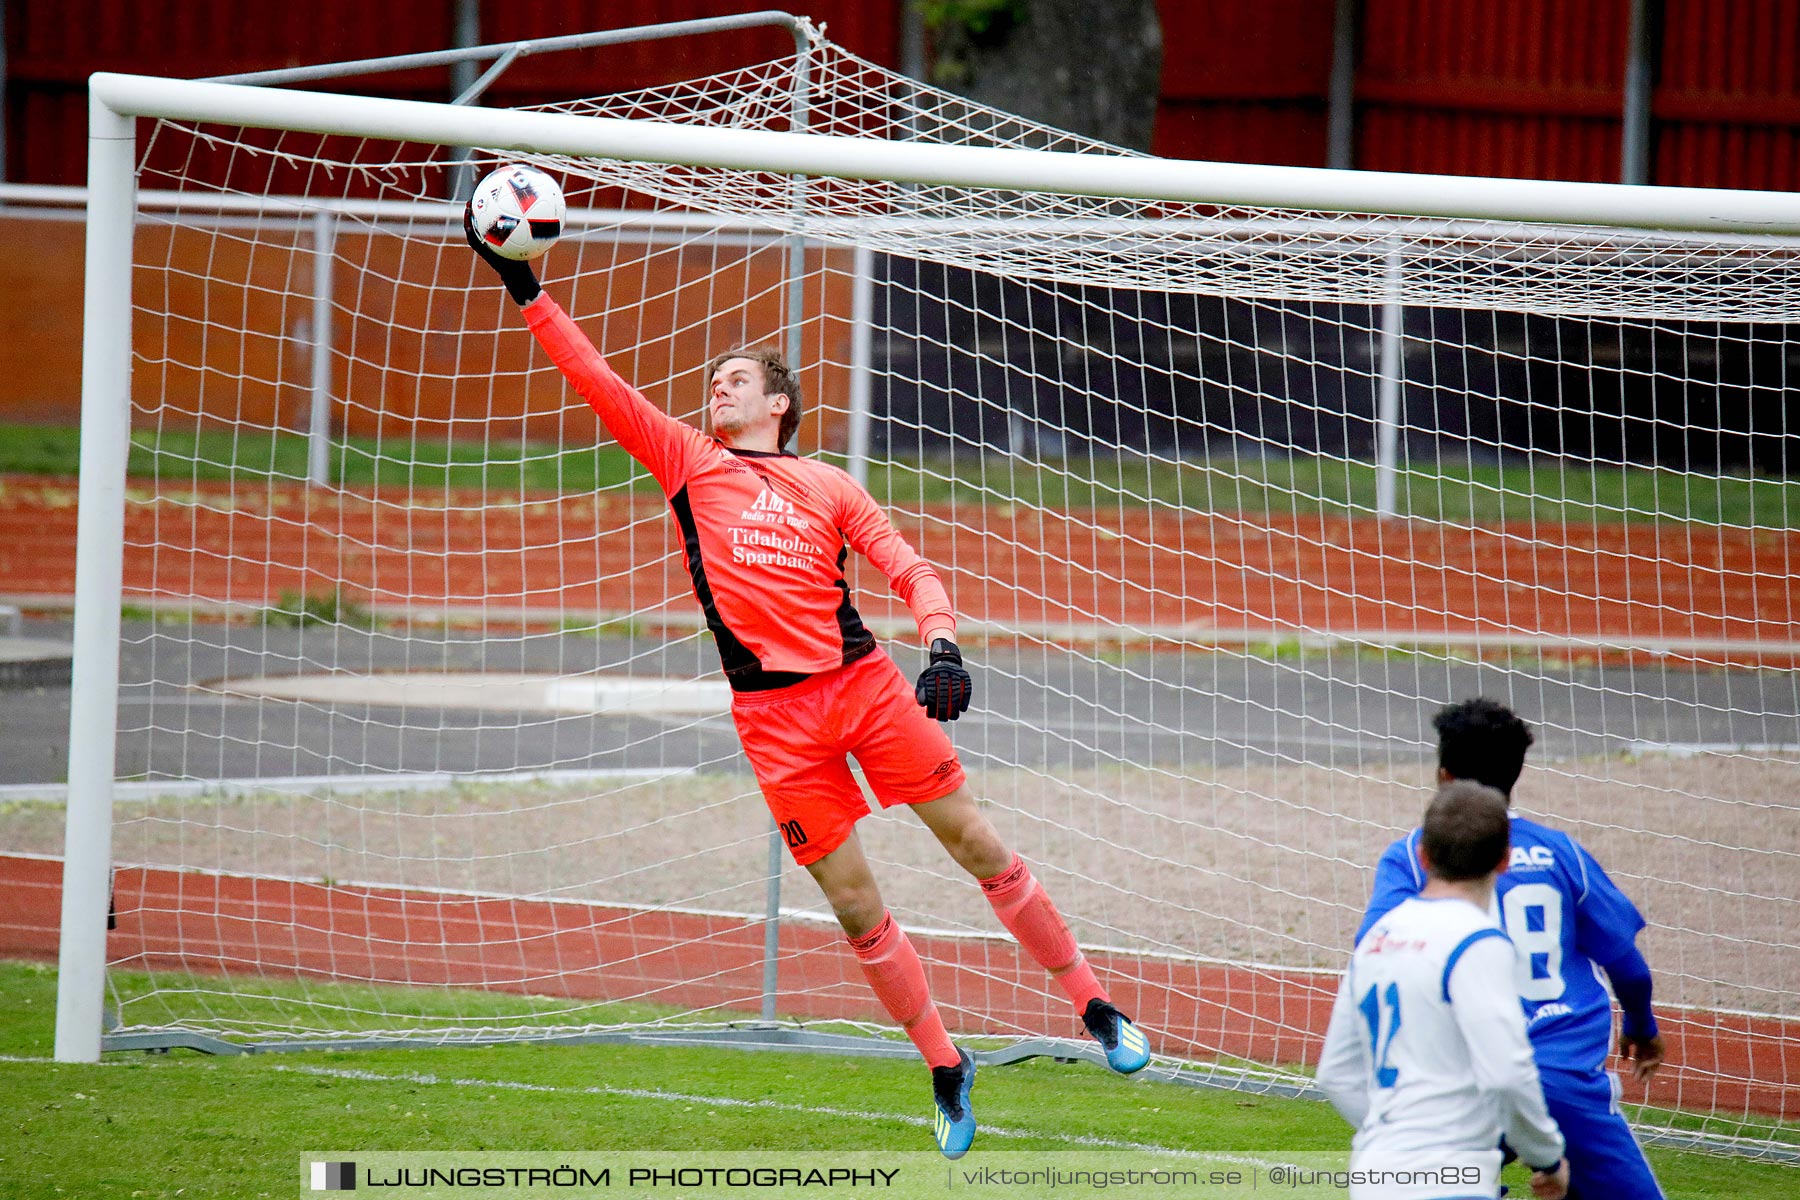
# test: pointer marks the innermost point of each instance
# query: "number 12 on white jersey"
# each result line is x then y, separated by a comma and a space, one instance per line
1381, 1009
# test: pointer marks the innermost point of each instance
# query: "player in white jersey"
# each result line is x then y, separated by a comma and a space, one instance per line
1575, 935
1426, 1053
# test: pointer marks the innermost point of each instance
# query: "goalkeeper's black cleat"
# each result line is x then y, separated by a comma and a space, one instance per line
954, 1125
1127, 1049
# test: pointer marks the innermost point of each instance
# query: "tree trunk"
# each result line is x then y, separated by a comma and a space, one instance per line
1089, 66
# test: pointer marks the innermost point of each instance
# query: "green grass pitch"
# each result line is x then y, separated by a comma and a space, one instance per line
183, 1124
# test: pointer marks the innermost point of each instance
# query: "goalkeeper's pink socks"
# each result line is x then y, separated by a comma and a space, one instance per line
894, 971
1026, 910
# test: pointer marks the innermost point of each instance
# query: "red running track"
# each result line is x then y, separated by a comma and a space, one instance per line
280, 929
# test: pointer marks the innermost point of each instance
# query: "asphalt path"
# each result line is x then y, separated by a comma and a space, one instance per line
1048, 709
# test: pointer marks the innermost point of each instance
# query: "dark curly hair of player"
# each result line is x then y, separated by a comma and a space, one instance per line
1482, 740
1465, 832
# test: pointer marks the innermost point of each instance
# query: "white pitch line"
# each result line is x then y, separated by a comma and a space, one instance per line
1084, 1140
1087, 1141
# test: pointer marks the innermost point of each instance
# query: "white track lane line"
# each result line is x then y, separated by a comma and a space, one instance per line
1085, 1141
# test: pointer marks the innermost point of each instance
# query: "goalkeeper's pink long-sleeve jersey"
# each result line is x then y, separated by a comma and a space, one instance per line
766, 535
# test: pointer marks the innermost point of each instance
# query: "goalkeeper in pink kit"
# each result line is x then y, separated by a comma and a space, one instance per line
766, 536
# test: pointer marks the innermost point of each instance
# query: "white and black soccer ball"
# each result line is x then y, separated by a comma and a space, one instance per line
518, 211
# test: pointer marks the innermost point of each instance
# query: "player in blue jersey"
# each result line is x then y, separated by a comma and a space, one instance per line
1573, 931
1426, 1054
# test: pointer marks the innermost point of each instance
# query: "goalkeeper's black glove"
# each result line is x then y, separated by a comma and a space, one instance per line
944, 687
520, 280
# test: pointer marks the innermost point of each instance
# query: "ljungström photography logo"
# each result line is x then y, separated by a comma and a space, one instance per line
334, 1177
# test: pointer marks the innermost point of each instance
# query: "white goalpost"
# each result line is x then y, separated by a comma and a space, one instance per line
412, 734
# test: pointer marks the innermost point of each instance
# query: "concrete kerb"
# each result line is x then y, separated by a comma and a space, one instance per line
30, 662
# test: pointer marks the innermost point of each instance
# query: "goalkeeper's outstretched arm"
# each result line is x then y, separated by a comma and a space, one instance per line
664, 445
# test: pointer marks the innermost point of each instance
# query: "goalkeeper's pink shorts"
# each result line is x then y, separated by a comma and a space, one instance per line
798, 738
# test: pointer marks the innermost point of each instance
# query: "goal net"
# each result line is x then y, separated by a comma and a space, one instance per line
420, 737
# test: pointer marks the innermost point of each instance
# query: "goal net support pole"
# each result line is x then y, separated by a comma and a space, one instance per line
99, 578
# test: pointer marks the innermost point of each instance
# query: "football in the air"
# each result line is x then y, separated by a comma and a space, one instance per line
518, 211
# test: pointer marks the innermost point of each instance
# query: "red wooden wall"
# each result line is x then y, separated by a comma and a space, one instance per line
1532, 88
1729, 100
1245, 82
1529, 87
53, 45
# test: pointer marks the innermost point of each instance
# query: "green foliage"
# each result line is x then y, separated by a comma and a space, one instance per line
616, 627
980, 19
962, 29
155, 614
298, 610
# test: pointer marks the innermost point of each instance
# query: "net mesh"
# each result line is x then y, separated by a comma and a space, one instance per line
447, 718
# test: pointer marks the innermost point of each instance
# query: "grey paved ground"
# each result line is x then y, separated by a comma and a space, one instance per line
1036, 708
1200, 804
